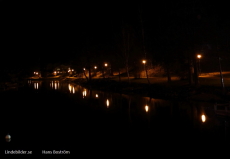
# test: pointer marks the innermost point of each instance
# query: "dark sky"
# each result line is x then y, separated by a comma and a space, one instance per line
59, 30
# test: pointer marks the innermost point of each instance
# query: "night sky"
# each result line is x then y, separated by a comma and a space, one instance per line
57, 31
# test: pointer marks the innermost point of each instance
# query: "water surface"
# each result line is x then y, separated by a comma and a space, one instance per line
58, 115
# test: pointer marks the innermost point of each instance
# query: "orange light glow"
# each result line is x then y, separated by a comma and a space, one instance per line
146, 108
203, 118
107, 103
199, 56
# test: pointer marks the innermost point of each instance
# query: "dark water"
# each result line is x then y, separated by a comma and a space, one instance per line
50, 115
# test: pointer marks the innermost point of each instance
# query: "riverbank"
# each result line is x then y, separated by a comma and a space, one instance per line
208, 89
175, 90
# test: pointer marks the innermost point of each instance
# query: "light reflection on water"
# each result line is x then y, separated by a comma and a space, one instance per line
146, 110
107, 103
54, 84
203, 118
84, 93
71, 88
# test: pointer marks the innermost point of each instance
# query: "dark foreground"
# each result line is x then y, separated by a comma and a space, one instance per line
52, 120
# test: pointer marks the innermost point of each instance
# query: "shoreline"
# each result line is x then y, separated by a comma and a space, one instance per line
166, 91
161, 91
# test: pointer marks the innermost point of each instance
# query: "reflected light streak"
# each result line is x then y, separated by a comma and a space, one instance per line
84, 93
96, 95
55, 85
73, 90
70, 88
35, 85
107, 103
146, 108
203, 118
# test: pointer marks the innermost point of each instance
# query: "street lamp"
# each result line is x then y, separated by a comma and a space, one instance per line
145, 69
144, 62
95, 72
104, 70
199, 57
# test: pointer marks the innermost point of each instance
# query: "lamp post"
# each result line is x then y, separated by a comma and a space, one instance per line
199, 57
95, 68
105, 70
144, 62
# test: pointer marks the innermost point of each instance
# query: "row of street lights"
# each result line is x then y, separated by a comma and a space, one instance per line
95, 67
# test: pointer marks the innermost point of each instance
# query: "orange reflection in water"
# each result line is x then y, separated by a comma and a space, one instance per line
107, 103
84, 93
203, 118
35, 85
71, 89
146, 108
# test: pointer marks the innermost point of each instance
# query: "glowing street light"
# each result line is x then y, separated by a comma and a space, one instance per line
83, 68
106, 64
144, 61
95, 67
